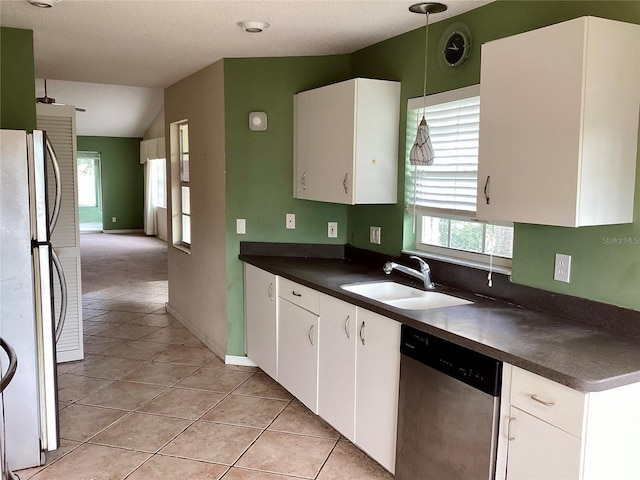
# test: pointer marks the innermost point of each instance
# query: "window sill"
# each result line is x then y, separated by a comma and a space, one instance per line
182, 247
460, 261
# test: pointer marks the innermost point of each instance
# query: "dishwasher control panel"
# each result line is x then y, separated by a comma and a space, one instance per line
475, 369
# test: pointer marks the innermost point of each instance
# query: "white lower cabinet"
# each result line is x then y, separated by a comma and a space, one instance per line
377, 377
337, 364
260, 319
298, 343
541, 451
343, 363
555, 432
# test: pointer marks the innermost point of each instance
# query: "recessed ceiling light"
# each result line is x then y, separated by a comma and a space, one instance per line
253, 26
43, 3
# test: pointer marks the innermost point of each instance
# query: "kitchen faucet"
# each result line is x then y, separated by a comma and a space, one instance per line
424, 274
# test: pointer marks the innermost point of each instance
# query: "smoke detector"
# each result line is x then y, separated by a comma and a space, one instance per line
253, 26
43, 3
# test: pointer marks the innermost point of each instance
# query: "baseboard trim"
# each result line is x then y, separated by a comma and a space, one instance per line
239, 360
132, 230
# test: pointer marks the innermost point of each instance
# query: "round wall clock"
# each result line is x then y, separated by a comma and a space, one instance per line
455, 45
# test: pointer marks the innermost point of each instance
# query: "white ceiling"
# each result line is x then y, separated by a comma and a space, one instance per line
153, 44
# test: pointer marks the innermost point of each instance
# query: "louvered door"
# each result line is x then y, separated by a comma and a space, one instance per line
59, 124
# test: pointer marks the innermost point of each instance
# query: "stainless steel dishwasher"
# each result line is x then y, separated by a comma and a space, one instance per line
447, 410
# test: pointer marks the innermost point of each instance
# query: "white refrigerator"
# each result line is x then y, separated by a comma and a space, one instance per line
27, 266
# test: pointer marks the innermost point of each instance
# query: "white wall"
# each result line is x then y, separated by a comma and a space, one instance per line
197, 286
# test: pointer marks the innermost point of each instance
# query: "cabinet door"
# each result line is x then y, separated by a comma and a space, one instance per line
529, 127
549, 115
260, 317
377, 375
540, 451
324, 149
337, 364
298, 352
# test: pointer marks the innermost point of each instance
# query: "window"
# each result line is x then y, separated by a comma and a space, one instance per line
444, 193
185, 187
158, 177
88, 179
180, 185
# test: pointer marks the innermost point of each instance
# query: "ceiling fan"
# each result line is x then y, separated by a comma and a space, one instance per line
52, 101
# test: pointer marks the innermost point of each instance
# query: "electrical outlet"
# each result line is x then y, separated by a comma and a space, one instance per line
113, 219
562, 270
241, 226
291, 221
374, 235
332, 229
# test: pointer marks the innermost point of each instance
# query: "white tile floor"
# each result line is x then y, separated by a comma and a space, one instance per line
149, 401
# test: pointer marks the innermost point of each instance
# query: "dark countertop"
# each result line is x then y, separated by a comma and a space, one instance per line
580, 356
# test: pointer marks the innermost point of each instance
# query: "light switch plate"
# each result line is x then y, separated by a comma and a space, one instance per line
562, 269
290, 220
332, 229
241, 226
374, 235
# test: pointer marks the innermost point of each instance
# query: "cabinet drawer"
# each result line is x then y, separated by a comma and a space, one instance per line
554, 403
299, 295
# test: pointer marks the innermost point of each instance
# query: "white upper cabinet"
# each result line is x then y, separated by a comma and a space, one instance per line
346, 142
559, 124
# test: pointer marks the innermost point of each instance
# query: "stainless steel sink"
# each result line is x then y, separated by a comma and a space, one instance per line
403, 296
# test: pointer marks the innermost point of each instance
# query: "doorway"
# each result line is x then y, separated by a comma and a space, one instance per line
89, 192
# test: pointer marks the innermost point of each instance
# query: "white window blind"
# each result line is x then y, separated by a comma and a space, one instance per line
449, 185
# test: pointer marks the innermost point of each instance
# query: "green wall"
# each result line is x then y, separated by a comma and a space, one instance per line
17, 80
605, 260
122, 180
259, 165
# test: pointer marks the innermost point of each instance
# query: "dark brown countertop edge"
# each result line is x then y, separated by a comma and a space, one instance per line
367, 273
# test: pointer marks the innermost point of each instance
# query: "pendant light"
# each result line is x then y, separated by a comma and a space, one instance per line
422, 151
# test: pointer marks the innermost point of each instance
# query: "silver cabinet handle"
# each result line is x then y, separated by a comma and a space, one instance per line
535, 398
344, 183
303, 181
296, 294
486, 190
510, 437
361, 333
346, 326
270, 291
310, 333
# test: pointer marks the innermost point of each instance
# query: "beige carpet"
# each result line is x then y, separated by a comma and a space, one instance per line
121, 259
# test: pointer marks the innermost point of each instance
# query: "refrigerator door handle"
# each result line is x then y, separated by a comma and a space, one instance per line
13, 364
63, 291
58, 194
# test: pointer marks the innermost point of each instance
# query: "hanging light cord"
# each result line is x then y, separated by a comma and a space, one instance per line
492, 245
426, 50
424, 109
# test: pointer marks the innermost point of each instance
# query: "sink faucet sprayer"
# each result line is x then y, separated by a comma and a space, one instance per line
424, 274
